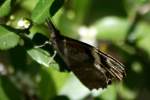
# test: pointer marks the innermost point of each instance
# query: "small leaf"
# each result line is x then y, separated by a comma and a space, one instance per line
41, 57
5, 8
41, 11
8, 39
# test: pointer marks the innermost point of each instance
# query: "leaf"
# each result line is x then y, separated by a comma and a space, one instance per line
47, 87
3, 95
8, 39
109, 94
10, 89
74, 89
56, 6
41, 57
111, 28
60, 78
5, 8
41, 11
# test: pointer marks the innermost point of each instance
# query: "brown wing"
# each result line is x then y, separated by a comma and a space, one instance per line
92, 67
114, 69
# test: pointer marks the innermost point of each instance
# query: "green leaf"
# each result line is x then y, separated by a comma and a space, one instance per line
41, 57
3, 95
81, 7
109, 94
41, 11
60, 78
8, 39
74, 89
142, 36
47, 87
12, 92
5, 8
56, 6
111, 28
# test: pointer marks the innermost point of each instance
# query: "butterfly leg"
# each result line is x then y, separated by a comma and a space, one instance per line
51, 59
40, 46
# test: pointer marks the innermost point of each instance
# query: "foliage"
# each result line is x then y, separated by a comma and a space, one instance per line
119, 27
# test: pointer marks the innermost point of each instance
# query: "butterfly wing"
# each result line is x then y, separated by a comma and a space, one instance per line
114, 69
92, 67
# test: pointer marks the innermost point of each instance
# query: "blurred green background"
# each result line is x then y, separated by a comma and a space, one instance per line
118, 27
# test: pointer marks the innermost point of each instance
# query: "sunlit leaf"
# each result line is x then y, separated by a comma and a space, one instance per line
59, 78
42, 57
74, 89
111, 28
109, 94
41, 10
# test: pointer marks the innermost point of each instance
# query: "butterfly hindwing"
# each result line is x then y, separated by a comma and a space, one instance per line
112, 66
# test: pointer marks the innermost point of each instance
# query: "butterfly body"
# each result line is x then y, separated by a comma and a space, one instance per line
92, 67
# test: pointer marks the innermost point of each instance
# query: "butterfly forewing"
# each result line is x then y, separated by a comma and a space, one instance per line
92, 67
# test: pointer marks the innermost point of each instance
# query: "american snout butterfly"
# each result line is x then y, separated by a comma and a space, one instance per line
93, 68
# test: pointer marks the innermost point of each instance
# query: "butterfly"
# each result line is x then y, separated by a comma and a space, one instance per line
92, 67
